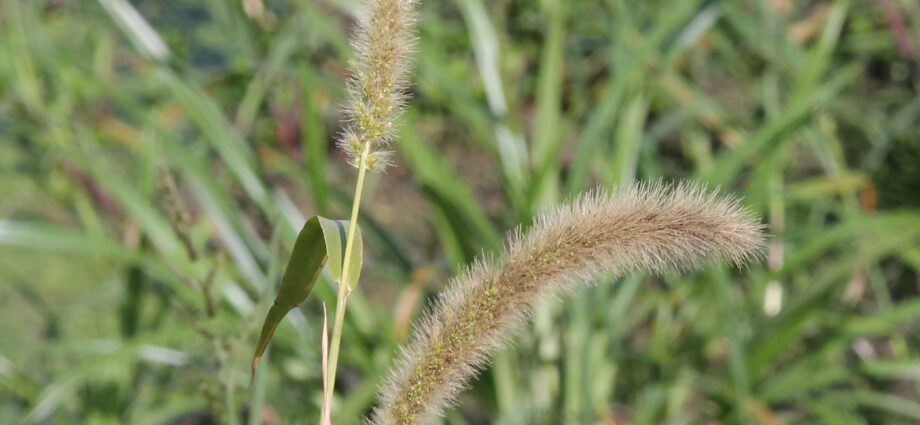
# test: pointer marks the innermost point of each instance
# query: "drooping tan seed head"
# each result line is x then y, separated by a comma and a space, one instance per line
383, 43
652, 228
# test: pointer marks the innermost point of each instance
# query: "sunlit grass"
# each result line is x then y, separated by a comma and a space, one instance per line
807, 113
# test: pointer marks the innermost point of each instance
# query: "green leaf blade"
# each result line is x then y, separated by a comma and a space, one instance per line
319, 240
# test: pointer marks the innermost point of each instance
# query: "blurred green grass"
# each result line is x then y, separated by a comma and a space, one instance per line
809, 110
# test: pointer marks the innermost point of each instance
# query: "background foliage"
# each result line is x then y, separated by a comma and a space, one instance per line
809, 110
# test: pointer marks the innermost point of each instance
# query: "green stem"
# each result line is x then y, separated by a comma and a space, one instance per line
230, 412
344, 292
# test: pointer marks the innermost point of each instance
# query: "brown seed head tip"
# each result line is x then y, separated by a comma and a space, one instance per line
384, 42
645, 227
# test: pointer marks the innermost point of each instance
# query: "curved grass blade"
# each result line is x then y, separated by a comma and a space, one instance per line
319, 240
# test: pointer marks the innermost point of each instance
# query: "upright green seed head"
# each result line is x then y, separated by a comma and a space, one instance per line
384, 42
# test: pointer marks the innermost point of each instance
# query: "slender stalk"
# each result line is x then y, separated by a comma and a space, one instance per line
344, 291
230, 411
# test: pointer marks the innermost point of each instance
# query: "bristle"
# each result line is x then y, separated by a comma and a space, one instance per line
653, 228
384, 42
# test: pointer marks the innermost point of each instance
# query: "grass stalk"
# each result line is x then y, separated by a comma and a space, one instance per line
344, 291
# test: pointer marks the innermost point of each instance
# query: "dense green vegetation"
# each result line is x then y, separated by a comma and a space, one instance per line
115, 308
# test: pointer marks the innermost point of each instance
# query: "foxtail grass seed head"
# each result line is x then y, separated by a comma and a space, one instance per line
654, 228
384, 42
